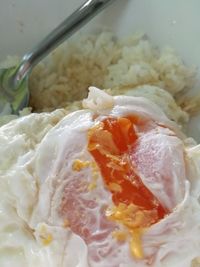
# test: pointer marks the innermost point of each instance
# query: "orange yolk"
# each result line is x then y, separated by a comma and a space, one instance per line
110, 142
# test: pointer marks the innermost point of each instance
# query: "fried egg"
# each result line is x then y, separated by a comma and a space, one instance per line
113, 185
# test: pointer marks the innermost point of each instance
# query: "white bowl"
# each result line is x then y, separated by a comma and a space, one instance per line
173, 22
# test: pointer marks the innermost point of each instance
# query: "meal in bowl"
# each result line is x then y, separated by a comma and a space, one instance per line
111, 180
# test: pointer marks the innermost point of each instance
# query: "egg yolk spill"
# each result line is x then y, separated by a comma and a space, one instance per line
135, 206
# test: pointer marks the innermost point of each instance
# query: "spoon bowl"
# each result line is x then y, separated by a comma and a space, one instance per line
13, 97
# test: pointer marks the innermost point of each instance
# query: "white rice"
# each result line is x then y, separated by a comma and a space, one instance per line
105, 62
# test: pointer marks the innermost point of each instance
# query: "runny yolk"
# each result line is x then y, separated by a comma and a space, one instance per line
136, 207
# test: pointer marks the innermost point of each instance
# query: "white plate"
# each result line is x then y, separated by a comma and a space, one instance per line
173, 22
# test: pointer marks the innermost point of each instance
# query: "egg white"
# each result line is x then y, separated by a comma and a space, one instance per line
36, 155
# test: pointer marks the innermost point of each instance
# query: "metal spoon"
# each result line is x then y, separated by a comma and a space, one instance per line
14, 93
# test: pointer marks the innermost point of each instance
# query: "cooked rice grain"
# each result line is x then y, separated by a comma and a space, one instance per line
105, 62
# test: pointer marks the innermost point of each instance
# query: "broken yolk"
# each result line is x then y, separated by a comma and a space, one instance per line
136, 207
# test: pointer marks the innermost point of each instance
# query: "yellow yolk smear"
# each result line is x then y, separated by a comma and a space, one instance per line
135, 206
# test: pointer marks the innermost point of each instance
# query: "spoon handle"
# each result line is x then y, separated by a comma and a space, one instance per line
69, 26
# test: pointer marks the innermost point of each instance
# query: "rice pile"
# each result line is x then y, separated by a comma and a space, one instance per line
106, 62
